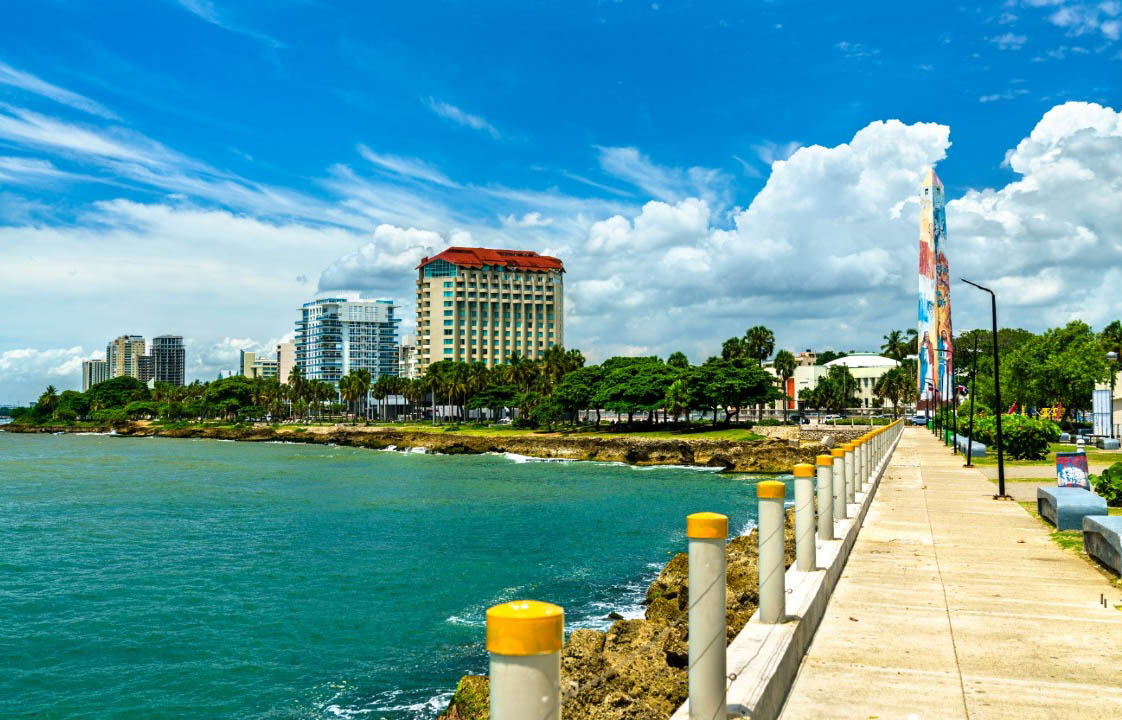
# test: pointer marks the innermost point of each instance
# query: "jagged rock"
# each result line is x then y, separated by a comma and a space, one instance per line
471, 701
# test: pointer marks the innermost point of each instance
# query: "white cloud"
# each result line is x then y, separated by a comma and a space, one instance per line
856, 50
460, 117
1009, 41
26, 81
407, 167
669, 184
206, 11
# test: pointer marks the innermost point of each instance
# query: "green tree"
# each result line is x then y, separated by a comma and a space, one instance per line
894, 386
678, 360
1061, 366
895, 346
759, 343
784, 365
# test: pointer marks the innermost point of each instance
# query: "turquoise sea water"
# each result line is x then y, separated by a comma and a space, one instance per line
153, 578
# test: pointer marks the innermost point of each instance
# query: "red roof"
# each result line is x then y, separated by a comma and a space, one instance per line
478, 257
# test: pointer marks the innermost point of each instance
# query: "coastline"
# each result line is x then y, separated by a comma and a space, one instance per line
757, 456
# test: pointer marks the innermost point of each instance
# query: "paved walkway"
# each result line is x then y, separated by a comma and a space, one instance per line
954, 605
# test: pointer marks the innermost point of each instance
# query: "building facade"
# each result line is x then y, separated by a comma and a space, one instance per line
252, 366
94, 372
286, 360
407, 357
147, 370
480, 305
866, 369
335, 336
169, 359
123, 356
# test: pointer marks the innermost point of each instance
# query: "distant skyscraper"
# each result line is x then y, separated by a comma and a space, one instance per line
147, 369
123, 356
936, 362
286, 360
335, 336
94, 372
168, 359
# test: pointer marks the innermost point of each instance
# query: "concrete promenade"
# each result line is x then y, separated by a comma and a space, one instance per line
954, 605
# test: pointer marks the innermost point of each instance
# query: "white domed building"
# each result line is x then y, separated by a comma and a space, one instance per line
866, 369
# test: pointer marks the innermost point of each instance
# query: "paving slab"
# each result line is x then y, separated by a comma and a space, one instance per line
955, 605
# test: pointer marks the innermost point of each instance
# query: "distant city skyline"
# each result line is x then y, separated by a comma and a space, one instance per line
207, 166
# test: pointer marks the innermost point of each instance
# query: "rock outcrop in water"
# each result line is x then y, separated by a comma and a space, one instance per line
637, 670
766, 455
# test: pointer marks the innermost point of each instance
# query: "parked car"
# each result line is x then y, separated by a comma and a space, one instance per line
800, 419
918, 419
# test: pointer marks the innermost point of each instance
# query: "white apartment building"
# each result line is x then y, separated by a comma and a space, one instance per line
252, 366
286, 360
94, 372
335, 336
481, 305
407, 357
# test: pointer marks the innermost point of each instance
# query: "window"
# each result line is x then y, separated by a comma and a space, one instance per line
447, 313
449, 293
447, 283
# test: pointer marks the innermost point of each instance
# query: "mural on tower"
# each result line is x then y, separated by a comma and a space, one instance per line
935, 363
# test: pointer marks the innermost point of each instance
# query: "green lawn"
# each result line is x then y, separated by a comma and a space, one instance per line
1072, 540
1106, 457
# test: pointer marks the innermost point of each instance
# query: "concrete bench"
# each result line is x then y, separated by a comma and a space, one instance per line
1065, 507
1065, 437
1107, 444
977, 449
1102, 538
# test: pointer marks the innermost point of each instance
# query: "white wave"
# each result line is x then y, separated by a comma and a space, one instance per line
93, 433
696, 468
457, 620
516, 458
746, 528
419, 451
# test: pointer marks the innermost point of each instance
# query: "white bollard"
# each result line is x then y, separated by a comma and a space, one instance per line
858, 466
524, 638
805, 556
839, 483
850, 471
825, 497
707, 533
773, 595
866, 446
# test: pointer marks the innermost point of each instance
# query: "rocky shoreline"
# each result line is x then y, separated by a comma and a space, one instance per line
763, 456
637, 670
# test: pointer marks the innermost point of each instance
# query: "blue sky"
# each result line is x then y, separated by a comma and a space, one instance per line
216, 162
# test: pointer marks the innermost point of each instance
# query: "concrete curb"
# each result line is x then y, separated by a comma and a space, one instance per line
763, 660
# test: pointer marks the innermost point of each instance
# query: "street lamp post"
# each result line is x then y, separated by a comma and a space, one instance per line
1111, 358
997, 393
973, 389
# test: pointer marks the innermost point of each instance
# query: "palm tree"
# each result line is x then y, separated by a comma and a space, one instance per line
523, 371
677, 400
349, 390
678, 360
759, 343
733, 349
913, 341
895, 346
362, 379
785, 367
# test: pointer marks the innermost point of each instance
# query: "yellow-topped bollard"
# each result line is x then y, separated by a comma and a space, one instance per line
773, 600
850, 467
805, 557
825, 464
861, 475
524, 638
706, 533
838, 454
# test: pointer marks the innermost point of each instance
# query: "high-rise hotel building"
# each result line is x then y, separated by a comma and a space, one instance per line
123, 356
480, 305
335, 336
168, 359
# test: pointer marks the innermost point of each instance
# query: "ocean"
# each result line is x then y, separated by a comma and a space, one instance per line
162, 578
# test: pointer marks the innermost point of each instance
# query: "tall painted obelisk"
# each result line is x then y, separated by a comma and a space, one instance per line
936, 362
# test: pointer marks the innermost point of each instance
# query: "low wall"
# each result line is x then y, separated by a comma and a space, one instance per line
764, 659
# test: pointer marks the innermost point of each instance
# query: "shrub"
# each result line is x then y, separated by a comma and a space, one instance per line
113, 416
1109, 485
770, 422
1024, 438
